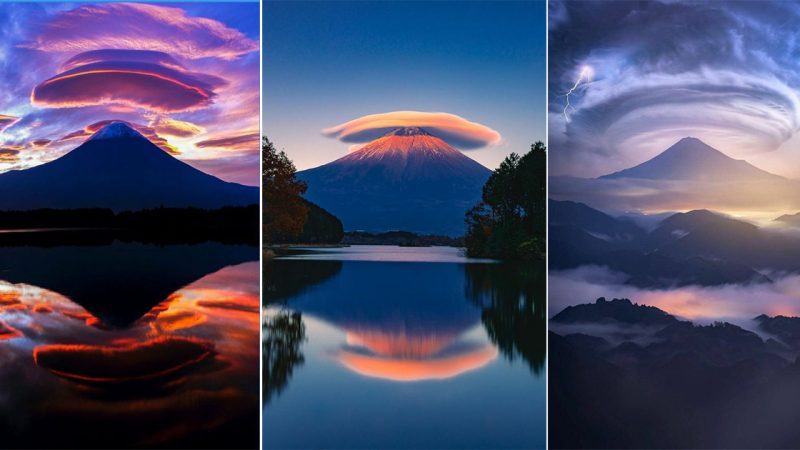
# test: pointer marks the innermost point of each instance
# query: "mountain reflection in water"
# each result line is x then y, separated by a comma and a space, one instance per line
420, 330
129, 345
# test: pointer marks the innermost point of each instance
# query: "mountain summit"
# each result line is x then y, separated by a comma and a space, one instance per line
118, 168
116, 130
407, 179
693, 160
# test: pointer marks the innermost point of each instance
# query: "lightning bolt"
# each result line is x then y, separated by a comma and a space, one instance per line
586, 74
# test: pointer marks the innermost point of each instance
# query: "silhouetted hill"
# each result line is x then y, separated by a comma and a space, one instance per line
616, 310
698, 247
119, 169
591, 221
674, 386
50, 227
321, 226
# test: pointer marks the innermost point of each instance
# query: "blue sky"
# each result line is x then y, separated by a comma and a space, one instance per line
326, 63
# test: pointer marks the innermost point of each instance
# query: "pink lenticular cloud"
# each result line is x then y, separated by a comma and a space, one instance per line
146, 79
455, 130
142, 27
176, 128
179, 74
245, 141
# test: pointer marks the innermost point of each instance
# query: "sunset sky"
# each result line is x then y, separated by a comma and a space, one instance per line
329, 63
186, 75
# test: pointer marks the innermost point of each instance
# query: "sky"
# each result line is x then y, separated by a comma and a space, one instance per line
185, 75
646, 74
327, 64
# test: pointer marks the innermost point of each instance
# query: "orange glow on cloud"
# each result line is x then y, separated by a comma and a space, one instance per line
139, 361
397, 344
398, 369
453, 129
7, 332
176, 128
179, 319
99, 91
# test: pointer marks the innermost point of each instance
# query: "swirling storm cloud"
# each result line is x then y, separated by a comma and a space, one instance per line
724, 72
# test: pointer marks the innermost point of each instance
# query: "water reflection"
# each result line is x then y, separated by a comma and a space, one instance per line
284, 334
407, 353
514, 308
129, 345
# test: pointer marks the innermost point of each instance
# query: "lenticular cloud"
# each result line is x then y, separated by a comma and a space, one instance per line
453, 129
138, 78
120, 25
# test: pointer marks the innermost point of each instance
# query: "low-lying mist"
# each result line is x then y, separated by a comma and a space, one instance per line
733, 303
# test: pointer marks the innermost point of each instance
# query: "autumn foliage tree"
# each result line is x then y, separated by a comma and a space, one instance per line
285, 212
509, 222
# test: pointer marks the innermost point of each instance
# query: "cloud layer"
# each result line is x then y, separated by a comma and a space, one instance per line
180, 75
139, 26
453, 129
734, 303
725, 72
150, 80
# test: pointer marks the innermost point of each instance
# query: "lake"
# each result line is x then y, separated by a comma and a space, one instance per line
380, 346
121, 344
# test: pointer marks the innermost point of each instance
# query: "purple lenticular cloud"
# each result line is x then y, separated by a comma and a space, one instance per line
141, 26
141, 79
180, 75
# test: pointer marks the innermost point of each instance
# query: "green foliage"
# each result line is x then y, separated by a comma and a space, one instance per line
321, 227
510, 220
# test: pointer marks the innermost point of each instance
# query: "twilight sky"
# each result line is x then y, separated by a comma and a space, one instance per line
654, 72
186, 75
334, 66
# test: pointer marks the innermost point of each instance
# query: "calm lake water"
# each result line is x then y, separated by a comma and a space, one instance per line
378, 346
129, 345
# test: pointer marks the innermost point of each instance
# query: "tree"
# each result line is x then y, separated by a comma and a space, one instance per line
285, 212
510, 220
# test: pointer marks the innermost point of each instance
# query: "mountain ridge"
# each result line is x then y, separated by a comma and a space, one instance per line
406, 179
120, 169
692, 159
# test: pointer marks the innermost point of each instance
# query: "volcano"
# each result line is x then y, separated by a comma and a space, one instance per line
692, 159
118, 168
407, 179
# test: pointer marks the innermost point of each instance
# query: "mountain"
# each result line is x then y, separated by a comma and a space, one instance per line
692, 159
598, 224
620, 310
693, 248
622, 382
407, 179
118, 168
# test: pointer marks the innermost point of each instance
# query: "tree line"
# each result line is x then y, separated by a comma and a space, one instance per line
288, 217
509, 222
